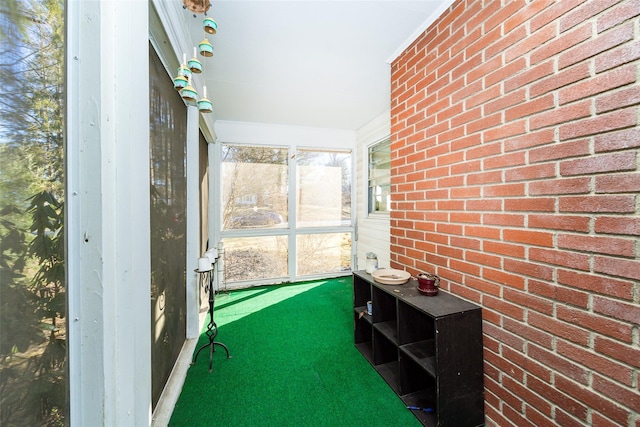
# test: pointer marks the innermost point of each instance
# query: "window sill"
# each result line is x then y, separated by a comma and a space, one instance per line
379, 216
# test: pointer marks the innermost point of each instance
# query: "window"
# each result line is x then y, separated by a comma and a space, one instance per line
255, 208
284, 215
323, 202
323, 197
254, 187
380, 177
323, 253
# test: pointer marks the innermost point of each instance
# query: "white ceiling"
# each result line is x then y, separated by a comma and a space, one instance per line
307, 62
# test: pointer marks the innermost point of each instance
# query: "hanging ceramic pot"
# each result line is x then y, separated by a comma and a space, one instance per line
184, 70
210, 26
189, 93
180, 82
206, 48
194, 64
204, 105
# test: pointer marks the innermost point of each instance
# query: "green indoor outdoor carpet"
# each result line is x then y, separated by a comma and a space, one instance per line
293, 363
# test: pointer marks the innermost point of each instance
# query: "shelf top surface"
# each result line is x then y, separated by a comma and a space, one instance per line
442, 304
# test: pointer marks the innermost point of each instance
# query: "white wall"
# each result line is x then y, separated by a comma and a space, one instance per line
373, 233
268, 134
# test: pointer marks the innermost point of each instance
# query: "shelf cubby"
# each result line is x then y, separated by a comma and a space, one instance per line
423, 353
366, 348
389, 330
384, 350
389, 372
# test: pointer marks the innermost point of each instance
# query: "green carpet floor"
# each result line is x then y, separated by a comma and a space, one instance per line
293, 364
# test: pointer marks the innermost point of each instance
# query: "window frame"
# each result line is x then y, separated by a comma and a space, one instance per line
370, 148
293, 229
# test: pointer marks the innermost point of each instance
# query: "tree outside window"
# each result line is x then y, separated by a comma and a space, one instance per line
33, 374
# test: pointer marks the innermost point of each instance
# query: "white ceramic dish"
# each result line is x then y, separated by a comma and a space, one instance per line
390, 276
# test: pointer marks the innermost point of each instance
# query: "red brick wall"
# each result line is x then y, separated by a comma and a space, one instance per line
516, 178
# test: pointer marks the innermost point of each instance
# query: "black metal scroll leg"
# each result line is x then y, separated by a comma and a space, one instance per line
212, 329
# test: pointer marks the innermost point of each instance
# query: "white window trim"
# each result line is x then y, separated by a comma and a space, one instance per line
385, 215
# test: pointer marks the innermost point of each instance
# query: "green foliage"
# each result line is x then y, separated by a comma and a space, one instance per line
33, 345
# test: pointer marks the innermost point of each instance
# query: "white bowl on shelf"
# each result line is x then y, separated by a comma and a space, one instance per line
391, 276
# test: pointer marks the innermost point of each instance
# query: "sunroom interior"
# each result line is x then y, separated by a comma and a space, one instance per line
286, 147
491, 143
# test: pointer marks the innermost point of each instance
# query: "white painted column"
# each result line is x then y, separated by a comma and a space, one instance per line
193, 222
107, 213
215, 206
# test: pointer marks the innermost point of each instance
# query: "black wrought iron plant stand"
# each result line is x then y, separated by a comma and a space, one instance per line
212, 328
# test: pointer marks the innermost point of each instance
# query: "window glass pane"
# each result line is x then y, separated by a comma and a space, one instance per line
33, 358
323, 188
380, 177
255, 258
254, 187
323, 253
167, 150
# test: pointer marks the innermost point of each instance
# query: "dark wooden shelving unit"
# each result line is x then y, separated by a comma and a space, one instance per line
428, 349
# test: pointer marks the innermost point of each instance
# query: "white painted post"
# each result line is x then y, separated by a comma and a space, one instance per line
107, 213
193, 222
215, 207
